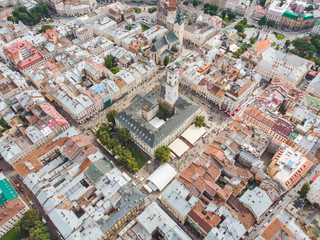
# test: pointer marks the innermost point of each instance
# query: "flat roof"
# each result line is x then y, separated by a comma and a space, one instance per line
178, 147
7, 193
193, 133
157, 122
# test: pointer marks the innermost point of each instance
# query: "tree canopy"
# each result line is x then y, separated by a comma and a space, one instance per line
223, 14
195, 3
124, 134
32, 17
163, 154
161, 114
109, 62
199, 121
304, 190
262, 21
111, 114
125, 157
31, 225
231, 15
44, 28
271, 23
166, 60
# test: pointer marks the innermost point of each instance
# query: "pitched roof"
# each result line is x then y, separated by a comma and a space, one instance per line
290, 15
262, 45
132, 120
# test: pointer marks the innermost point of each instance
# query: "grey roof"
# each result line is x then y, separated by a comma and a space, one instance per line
154, 217
131, 197
255, 162
168, 38
229, 229
258, 201
97, 170
131, 118
175, 195
315, 82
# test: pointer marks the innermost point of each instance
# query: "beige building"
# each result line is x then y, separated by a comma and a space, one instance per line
287, 67
121, 13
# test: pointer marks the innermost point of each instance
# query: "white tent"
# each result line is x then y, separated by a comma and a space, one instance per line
178, 147
193, 133
160, 178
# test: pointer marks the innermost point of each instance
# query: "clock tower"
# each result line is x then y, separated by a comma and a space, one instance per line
172, 85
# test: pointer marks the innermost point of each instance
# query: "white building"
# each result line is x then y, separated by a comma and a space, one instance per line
283, 66
276, 10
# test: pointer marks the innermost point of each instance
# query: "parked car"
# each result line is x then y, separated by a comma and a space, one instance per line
27, 197
21, 189
15, 181
21, 179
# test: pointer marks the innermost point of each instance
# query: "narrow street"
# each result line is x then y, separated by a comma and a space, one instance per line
277, 208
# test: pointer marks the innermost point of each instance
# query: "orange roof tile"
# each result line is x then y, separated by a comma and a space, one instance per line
262, 45
274, 229
31, 163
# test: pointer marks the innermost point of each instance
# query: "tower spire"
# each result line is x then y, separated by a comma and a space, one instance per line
179, 19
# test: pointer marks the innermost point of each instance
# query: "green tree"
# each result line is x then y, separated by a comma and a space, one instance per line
262, 2
253, 40
117, 150
111, 114
132, 165
309, 8
111, 143
304, 47
45, 27
105, 138
214, 7
199, 121
39, 232
110, 62
25, 18
12, 19
223, 14
166, 60
287, 43
195, 3
161, 114
295, 51
239, 27
304, 190
163, 154
31, 225
186, 3
271, 23
262, 21
124, 134
231, 15
22, 9
114, 70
